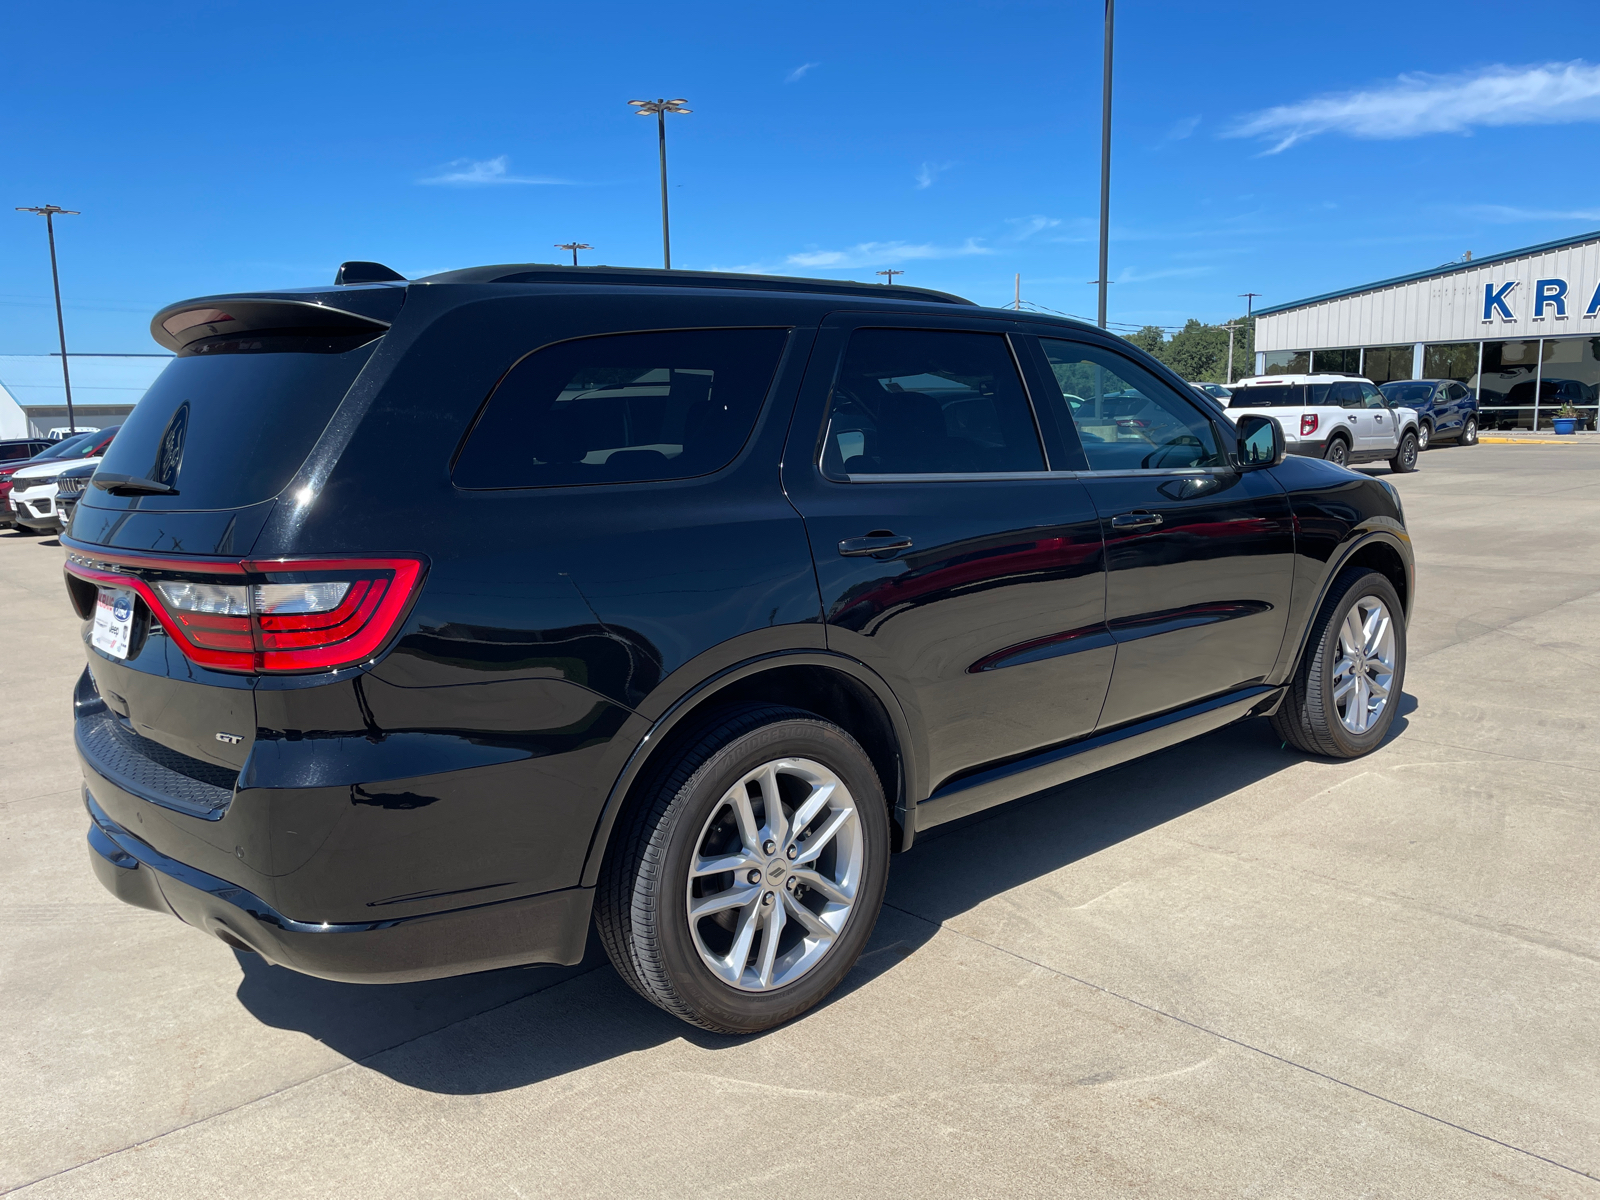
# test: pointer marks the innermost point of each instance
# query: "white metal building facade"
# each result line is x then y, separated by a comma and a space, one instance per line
1522, 329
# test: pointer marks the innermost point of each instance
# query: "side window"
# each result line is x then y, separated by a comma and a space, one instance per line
1126, 418
1345, 395
1457, 392
1371, 397
925, 402
624, 408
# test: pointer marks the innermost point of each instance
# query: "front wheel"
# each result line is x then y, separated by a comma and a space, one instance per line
1424, 436
1405, 456
1469, 432
1344, 691
751, 872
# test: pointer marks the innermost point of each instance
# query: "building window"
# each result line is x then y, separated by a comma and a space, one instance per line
1381, 364
1451, 360
1346, 362
1286, 362
1570, 375
1505, 389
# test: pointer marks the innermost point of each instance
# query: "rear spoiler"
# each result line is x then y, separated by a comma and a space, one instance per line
179, 325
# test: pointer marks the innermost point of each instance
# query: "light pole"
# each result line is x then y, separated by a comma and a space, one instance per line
889, 282
49, 211
661, 108
574, 247
1105, 164
1249, 299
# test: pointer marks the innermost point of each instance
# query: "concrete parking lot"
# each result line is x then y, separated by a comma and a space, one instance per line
1227, 970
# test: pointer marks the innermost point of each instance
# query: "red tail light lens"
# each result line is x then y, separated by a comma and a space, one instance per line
1308, 424
285, 615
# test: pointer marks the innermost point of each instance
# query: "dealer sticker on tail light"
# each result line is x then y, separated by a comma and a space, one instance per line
113, 622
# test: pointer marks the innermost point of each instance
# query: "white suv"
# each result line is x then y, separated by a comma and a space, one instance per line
1342, 418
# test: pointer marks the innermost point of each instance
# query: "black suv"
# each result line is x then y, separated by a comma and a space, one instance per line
429, 621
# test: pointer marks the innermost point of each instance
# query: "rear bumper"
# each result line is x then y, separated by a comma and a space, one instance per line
548, 928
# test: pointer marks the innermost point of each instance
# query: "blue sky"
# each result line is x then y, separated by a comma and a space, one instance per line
1281, 149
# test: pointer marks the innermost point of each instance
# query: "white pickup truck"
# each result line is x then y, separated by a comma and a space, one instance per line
1342, 418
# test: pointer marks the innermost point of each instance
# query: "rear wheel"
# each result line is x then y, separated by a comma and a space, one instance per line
1338, 451
1405, 456
751, 872
1469, 432
1343, 694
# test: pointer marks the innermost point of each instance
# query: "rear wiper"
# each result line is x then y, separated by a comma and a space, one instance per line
132, 485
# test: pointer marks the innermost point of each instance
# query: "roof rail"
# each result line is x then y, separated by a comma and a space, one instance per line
656, 277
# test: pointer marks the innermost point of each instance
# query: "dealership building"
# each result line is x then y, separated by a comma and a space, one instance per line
105, 387
1522, 329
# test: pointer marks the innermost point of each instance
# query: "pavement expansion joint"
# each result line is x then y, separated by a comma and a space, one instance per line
1243, 1045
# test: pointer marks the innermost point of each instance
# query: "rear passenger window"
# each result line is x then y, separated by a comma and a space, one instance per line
1127, 419
924, 402
624, 408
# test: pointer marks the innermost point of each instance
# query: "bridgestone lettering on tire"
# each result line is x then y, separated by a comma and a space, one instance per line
1345, 691
750, 872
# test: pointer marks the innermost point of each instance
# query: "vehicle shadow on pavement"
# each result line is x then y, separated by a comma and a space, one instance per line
511, 1028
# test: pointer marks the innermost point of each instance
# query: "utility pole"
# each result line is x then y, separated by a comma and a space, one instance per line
1017, 303
1230, 328
1249, 299
889, 282
1105, 164
50, 212
574, 247
660, 108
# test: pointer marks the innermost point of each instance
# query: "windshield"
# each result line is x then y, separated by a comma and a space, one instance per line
1408, 394
231, 420
70, 448
1268, 395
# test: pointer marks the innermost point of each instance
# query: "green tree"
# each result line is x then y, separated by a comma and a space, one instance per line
1199, 352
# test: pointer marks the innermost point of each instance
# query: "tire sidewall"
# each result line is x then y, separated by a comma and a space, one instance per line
1353, 745
1469, 433
1400, 464
714, 1002
1334, 455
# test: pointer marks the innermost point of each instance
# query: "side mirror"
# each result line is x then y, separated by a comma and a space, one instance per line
1261, 442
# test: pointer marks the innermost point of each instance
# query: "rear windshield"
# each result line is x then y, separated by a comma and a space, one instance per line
1269, 395
1407, 393
231, 420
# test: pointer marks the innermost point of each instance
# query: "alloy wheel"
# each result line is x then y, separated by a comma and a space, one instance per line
775, 873
1424, 435
1338, 452
1363, 672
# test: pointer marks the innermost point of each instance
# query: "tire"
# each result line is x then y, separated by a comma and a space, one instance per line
1337, 451
1310, 718
699, 971
1424, 436
1469, 432
1405, 456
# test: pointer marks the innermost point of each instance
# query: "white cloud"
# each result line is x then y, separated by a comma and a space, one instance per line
1023, 228
1417, 104
1181, 129
467, 172
879, 254
799, 73
931, 171
1503, 214
1135, 275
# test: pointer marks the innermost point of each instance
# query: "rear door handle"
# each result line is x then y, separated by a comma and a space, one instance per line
873, 543
1136, 520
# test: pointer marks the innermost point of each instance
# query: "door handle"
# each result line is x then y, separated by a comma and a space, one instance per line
874, 544
1136, 520
1379, 418
1350, 419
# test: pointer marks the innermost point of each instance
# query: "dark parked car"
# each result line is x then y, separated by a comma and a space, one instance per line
427, 623
1447, 411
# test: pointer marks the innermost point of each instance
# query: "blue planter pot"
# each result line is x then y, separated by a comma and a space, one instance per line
1565, 424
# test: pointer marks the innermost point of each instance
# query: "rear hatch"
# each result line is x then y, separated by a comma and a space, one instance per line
179, 623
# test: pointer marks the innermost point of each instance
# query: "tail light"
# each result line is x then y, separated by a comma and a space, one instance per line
262, 617
1308, 424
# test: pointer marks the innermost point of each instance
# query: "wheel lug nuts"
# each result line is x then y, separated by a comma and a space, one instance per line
767, 899
789, 883
793, 851
769, 847
754, 877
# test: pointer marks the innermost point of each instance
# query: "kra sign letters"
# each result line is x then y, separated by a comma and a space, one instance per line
1549, 299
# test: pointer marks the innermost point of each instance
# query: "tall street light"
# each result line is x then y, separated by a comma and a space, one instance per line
49, 212
661, 108
1105, 164
574, 247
